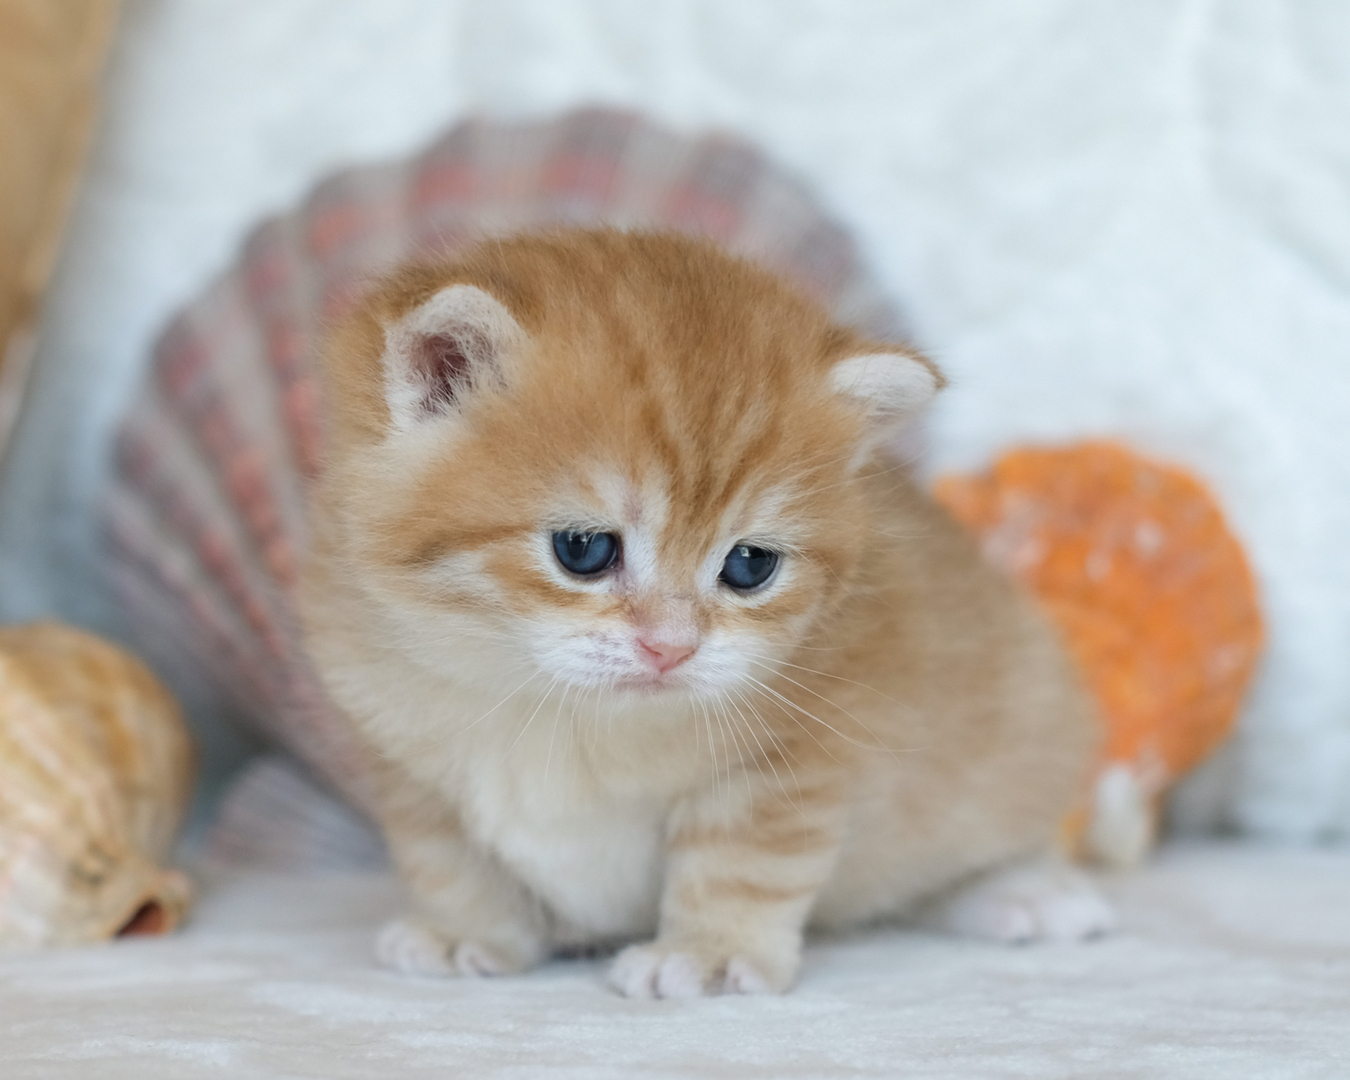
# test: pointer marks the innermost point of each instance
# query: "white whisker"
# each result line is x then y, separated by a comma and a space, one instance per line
763, 755
530, 720
528, 679
805, 712
833, 705
826, 675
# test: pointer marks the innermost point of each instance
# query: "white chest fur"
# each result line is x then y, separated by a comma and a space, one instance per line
578, 824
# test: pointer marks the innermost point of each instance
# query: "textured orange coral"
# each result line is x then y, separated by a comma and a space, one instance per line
1136, 565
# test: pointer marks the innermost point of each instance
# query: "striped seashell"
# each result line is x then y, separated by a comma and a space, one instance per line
95, 772
274, 817
205, 512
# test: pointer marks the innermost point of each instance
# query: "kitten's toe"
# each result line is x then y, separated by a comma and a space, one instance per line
1036, 903
416, 949
641, 971
649, 971
473, 958
1076, 916
743, 977
413, 949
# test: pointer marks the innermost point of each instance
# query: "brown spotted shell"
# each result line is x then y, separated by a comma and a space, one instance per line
95, 771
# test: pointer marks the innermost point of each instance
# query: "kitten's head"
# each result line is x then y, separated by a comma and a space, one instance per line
621, 461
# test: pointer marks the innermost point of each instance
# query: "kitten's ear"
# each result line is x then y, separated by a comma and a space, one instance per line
442, 349
893, 385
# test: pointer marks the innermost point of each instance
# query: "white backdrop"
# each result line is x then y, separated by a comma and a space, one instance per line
1126, 219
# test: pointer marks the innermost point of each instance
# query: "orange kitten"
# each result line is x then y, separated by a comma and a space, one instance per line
651, 639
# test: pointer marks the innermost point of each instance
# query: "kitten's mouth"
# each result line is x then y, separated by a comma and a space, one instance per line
652, 683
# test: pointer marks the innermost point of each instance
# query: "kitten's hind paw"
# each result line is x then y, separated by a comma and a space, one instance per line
652, 971
1025, 904
416, 949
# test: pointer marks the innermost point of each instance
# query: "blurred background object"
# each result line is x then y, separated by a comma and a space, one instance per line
1152, 593
95, 773
1126, 221
51, 52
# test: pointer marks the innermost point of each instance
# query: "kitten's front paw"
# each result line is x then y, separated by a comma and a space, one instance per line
659, 971
1030, 903
414, 948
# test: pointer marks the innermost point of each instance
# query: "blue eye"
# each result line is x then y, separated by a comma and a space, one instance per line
585, 553
748, 567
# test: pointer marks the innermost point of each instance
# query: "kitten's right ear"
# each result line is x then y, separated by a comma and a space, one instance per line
442, 349
893, 383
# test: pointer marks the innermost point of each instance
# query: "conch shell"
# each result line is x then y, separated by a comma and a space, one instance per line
95, 771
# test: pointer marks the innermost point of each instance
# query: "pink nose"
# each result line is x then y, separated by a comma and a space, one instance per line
664, 655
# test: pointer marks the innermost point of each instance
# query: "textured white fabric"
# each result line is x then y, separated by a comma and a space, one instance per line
1128, 219
1232, 963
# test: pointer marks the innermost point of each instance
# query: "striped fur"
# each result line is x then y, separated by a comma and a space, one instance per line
884, 719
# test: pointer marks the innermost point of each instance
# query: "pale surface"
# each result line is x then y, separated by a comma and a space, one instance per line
1106, 219
1233, 962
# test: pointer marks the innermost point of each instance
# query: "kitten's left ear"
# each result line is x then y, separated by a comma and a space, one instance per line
894, 385
443, 350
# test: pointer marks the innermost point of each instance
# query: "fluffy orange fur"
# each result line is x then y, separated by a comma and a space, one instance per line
884, 727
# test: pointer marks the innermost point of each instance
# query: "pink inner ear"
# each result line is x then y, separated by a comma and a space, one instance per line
443, 364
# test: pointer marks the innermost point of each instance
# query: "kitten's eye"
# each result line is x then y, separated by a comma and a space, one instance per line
585, 553
748, 567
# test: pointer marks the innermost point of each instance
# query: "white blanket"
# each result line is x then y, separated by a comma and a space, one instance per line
1233, 962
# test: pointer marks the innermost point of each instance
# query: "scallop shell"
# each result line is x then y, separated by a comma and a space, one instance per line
95, 771
205, 514
274, 817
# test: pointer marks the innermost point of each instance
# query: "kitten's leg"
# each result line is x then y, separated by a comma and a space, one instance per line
470, 917
1038, 901
737, 894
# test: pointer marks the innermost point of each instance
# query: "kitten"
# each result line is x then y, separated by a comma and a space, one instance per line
651, 639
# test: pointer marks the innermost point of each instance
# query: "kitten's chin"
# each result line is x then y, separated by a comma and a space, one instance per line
647, 687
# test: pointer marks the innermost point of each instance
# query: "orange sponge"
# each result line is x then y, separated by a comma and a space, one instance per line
1135, 563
